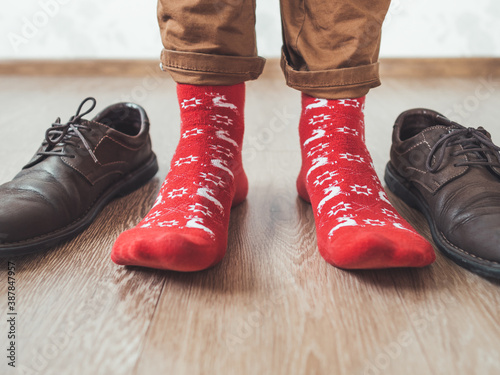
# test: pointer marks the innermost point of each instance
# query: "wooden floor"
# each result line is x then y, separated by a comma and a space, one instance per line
273, 306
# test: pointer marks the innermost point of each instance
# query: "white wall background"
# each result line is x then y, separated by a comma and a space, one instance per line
47, 29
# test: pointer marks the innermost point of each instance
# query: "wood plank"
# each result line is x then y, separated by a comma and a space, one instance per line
102, 67
273, 306
464, 67
73, 301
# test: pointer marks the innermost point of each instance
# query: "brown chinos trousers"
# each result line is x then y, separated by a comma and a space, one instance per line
330, 48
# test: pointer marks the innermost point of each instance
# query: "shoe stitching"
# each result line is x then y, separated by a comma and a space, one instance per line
465, 252
74, 167
428, 145
432, 128
115, 162
93, 182
416, 169
414, 146
455, 175
114, 140
437, 184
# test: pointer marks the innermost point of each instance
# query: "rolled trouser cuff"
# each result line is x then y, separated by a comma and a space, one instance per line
206, 69
344, 83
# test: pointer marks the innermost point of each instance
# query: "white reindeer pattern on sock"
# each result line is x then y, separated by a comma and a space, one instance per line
197, 222
317, 134
224, 135
318, 103
330, 193
346, 221
317, 163
203, 190
323, 156
220, 101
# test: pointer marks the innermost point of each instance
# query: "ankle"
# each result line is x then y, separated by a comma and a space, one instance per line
329, 130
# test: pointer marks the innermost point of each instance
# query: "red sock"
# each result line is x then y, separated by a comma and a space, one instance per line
187, 228
356, 225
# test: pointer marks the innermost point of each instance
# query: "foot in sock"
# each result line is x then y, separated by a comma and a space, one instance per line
356, 225
187, 228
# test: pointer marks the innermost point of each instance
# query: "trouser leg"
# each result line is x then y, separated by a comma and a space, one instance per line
209, 42
330, 48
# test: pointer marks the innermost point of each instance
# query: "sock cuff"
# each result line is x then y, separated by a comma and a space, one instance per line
309, 98
319, 113
190, 95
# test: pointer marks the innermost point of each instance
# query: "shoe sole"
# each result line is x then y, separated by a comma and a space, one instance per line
397, 186
127, 185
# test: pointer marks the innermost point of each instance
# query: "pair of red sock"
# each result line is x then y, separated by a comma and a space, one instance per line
187, 227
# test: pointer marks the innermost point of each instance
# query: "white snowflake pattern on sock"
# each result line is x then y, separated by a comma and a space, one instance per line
193, 102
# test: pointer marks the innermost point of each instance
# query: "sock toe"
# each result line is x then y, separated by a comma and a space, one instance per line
187, 227
167, 250
375, 248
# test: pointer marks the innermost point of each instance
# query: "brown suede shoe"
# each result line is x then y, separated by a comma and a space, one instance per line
80, 167
452, 175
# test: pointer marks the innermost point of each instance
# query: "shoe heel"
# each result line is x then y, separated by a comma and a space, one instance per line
398, 189
139, 177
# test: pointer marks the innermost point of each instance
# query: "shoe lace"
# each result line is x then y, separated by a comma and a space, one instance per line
69, 133
471, 140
